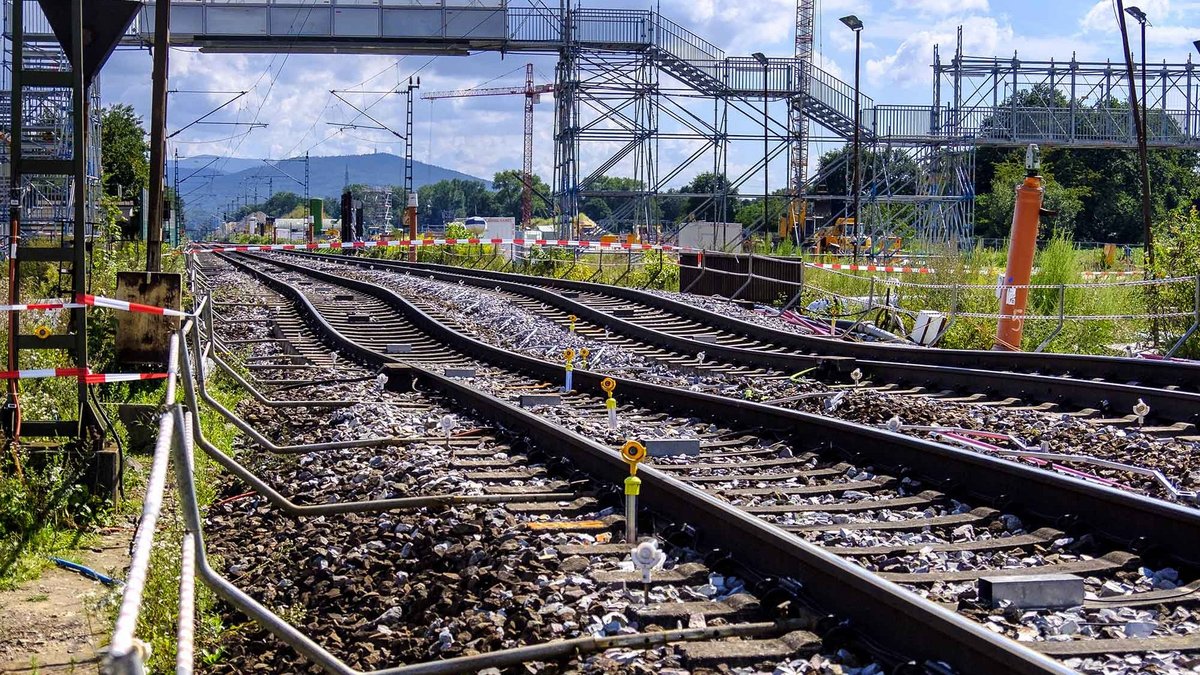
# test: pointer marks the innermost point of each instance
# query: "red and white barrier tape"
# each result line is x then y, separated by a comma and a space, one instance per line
86, 300
890, 269
575, 243
84, 374
40, 306
111, 303
406, 243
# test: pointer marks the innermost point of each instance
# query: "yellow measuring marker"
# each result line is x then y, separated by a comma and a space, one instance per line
42, 332
633, 453
569, 356
583, 357
572, 318
609, 385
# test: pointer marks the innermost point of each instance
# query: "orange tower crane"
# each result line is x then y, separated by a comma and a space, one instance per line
532, 93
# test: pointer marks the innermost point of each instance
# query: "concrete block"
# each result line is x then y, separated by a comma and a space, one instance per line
706, 339
459, 373
359, 318
531, 400
669, 447
344, 297
569, 294
399, 377
624, 312
1033, 591
400, 348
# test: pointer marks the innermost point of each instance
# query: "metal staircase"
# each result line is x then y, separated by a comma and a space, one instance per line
705, 67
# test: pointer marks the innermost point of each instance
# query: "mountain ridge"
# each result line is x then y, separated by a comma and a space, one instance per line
209, 188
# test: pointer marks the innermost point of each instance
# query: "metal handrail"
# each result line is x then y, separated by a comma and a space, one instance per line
176, 442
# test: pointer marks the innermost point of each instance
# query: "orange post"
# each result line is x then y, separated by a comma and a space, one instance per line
1021, 248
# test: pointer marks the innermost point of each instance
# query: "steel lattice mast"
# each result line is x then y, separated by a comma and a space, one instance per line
797, 121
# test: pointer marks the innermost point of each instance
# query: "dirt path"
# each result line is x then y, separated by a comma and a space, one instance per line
50, 625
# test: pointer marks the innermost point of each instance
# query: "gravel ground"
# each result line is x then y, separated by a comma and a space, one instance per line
488, 316
404, 587
1104, 622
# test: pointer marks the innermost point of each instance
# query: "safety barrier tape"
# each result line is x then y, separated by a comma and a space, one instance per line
406, 243
84, 374
891, 269
573, 243
86, 300
112, 303
40, 306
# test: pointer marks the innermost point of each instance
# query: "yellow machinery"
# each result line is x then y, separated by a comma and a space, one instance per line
793, 220
837, 237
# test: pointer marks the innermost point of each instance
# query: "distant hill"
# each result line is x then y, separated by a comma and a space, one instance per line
209, 184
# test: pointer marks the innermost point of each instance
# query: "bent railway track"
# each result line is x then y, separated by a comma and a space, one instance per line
885, 509
1103, 390
1067, 442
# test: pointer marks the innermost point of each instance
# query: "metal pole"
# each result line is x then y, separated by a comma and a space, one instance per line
857, 141
1140, 124
175, 197
158, 128
766, 157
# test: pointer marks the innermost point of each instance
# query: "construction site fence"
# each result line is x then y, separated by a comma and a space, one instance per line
795, 283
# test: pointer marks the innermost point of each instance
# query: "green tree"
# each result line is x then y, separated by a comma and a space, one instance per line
889, 171
612, 201
125, 167
509, 185
708, 188
994, 209
457, 197
1105, 181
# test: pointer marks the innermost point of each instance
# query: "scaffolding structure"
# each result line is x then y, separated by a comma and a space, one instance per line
640, 96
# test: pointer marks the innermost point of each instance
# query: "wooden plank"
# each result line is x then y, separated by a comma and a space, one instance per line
144, 338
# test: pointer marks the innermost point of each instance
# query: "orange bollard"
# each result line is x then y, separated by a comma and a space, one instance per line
1021, 248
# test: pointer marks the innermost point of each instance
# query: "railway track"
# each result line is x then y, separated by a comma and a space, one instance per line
875, 498
384, 586
1072, 439
1103, 390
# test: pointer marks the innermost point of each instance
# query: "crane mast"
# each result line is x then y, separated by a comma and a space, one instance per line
532, 93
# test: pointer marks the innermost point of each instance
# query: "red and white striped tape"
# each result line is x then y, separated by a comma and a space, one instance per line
890, 269
575, 243
85, 300
40, 306
406, 243
112, 303
84, 374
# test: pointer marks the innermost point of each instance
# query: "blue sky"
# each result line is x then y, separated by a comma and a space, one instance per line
482, 136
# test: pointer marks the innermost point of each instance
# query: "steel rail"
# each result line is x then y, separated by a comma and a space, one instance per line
879, 608
1123, 518
1171, 404
1150, 373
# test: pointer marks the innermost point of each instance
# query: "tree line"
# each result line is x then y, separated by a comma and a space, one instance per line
1093, 191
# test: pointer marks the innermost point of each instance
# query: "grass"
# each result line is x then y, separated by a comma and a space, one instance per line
1058, 261
157, 622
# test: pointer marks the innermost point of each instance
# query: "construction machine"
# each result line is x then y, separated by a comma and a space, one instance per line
837, 237
791, 223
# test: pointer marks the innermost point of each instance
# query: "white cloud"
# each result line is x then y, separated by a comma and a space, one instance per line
1102, 17
909, 64
942, 7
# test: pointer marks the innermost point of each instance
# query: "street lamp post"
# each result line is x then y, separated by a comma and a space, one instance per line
762, 61
1142, 140
855, 24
